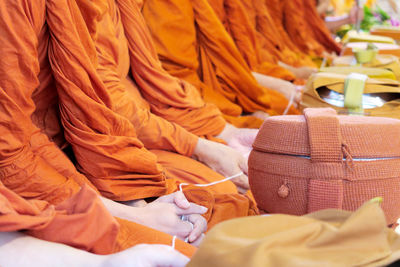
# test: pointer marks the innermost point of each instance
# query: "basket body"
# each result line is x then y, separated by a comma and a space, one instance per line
301, 164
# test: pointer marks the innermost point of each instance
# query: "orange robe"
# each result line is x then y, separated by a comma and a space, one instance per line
273, 41
312, 38
106, 144
320, 32
81, 222
193, 45
242, 29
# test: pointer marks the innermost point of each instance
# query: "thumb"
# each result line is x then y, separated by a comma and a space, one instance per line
177, 198
243, 165
180, 200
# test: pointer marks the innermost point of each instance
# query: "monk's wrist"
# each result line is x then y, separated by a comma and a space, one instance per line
227, 133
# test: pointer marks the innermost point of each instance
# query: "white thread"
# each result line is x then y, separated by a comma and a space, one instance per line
213, 183
290, 102
184, 217
173, 241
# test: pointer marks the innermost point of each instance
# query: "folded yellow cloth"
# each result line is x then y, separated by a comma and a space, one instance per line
353, 36
376, 73
324, 238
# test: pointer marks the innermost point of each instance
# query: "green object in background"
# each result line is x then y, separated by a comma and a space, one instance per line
371, 18
353, 92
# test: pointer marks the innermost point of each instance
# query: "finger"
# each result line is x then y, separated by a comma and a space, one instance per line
199, 226
193, 209
183, 229
242, 190
180, 200
198, 241
242, 182
243, 165
166, 199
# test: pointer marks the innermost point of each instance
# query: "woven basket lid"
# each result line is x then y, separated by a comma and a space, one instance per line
366, 137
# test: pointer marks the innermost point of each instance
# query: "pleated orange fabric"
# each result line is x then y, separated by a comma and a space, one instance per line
273, 41
306, 29
297, 28
170, 98
237, 23
31, 165
81, 222
130, 177
206, 56
320, 32
59, 43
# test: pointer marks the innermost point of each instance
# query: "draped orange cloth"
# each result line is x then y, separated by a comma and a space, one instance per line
58, 46
306, 29
272, 37
193, 44
242, 29
320, 32
81, 222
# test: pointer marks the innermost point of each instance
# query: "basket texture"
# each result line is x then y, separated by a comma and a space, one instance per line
301, 164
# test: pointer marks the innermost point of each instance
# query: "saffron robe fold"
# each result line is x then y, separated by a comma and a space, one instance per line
306, 28
206, 56
273, 41
318, 27
105, 143
237, 23
81, 222
173, 99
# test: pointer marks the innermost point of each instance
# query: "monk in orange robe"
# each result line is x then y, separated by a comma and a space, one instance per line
319, 28
273, 40
67, 223
306, 28
59, 44
237, 23
277, 14
206, 56
255, 35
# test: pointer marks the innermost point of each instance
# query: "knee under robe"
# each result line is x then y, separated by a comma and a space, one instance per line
81, 222
206, 56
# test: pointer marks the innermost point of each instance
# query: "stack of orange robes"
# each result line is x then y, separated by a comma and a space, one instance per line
193, 44
59, 42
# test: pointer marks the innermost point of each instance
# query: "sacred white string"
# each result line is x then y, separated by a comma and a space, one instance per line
185, 218
294, 92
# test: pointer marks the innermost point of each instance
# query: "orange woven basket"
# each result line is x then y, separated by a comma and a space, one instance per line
301, 164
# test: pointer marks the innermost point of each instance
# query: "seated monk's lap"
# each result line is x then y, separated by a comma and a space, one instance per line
131, 234
187, 170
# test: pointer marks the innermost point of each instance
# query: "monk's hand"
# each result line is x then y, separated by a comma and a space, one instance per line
164, 215
146, 255
240, 139
260, 114
177, 198
304, 72
198, 221
224, 160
